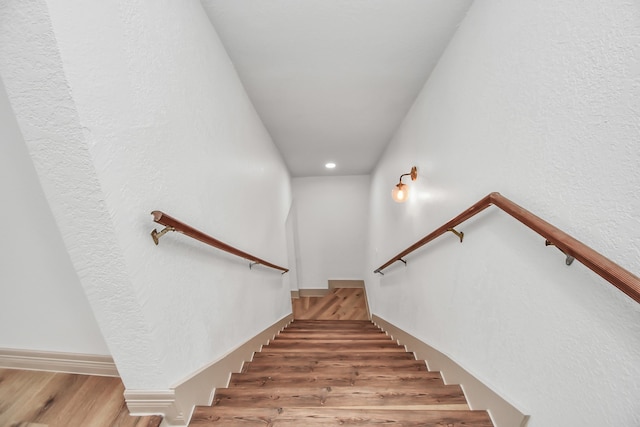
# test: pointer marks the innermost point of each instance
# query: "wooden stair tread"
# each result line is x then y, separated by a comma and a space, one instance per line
336, 366
291, 356
314, 342
338, 396
336, 324
296, 417
354, 378
279, 346
337, 373
333, 323
341, 304
349, 335
366, 327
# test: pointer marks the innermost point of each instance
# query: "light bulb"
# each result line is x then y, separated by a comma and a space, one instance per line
400, 193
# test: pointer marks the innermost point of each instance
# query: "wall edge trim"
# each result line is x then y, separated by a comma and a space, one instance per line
177, 404
479, 396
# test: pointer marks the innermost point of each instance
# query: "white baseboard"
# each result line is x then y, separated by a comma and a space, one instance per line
71, 363
176, 405
155, 402
479, 396
335, 284
312, 292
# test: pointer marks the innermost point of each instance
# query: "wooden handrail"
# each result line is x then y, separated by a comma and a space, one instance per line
601, 265
173, 224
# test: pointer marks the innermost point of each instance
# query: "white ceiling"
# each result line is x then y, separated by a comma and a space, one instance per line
332, 79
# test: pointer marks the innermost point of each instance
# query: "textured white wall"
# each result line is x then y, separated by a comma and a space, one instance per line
32, 72
293, 257
42, 304
132, 107
331, 218
540, 101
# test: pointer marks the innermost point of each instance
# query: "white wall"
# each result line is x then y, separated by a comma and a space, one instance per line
42, 305
293, 256
540, 101
130, 107
331, 217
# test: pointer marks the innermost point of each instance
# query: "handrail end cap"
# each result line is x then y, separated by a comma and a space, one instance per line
157, 215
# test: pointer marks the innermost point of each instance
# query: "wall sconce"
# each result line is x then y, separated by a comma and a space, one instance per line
400, 192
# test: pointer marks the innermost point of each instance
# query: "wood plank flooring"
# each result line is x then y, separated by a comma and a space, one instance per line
337, 373
338, 304
48, 399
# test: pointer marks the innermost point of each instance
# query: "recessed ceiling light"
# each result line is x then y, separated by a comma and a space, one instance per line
330, 165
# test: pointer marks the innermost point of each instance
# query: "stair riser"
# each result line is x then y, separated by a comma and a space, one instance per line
327, 335
332, 347
381, 381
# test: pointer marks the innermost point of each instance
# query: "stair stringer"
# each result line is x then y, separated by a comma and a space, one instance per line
176, 405
479, 396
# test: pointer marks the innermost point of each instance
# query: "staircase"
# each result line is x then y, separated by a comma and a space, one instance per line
337, 373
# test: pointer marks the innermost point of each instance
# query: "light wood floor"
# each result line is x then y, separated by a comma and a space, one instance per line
338, 304
47, 399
